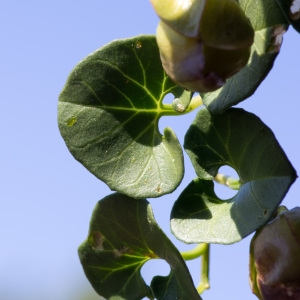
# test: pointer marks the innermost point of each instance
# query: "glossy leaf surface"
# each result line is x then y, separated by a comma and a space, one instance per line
108, 116
123, 235
269, 24
241, 140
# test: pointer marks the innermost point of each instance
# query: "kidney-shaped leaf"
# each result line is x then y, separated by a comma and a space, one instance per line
123, 235
269, 25
108, 115
241, 140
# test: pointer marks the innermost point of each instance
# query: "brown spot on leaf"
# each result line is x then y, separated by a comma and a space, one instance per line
96, 240
276, 39
138, 45
122, 251
159, 190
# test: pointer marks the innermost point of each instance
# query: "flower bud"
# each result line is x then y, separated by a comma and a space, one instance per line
202, 42
183, 60
275, 258
182, 16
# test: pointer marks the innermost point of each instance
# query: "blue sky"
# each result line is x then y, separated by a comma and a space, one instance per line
46, 196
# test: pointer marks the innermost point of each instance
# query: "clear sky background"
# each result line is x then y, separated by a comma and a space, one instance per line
46, 196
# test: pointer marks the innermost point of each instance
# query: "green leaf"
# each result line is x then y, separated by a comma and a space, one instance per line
269, 25
172, 287
242, 141
108, 115
123, 235
291, 10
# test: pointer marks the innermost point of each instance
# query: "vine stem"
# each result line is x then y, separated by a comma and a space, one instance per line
195, 252
200, 250
204, 281
196, 101
231, 182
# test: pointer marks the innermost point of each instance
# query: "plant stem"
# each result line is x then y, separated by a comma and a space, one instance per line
195, 103
204, 281
231, 182
195, 252
200, 250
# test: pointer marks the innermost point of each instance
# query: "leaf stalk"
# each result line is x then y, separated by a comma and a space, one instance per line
204, 281
231, 182
194, 104
200, 250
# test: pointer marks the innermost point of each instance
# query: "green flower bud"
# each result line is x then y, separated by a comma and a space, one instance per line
275, 258
181, 15
183, 60
202, 42
225, 26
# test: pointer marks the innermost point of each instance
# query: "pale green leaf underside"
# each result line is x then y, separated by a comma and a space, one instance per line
108, 116
241, 140
200, 216
269, 24
123, 235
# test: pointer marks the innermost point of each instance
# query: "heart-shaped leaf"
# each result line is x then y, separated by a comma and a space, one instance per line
123, 235
291, 10
269, 24
108, 115
241, 140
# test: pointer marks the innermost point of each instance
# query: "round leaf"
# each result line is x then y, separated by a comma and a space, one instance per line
241, 140
108, 115
123, 235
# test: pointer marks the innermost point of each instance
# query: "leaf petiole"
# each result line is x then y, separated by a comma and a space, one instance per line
231, 182
196, 102
195, 252
200, 250
204, 281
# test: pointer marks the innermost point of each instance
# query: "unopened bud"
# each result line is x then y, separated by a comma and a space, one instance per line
275, 258
202, 42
